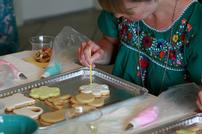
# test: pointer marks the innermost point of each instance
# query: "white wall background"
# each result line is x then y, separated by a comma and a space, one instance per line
33, 9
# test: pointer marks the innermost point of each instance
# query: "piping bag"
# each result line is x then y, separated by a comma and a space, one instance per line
17, 74
65, 46
177, 100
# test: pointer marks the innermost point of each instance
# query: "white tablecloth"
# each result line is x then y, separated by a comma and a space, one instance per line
32, 71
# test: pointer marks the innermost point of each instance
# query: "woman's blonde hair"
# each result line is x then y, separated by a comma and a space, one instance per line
115, 6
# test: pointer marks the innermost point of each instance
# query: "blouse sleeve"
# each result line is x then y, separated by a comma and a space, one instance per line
194, 64
194, 51
107, 24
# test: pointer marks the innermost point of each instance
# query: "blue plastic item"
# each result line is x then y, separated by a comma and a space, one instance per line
17, 124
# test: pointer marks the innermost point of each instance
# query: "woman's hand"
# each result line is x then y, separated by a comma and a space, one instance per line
89, 52
101, 52
199, 100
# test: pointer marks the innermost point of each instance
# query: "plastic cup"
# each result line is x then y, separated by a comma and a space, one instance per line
42, 46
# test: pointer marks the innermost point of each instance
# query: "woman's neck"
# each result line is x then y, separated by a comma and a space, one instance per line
166, 13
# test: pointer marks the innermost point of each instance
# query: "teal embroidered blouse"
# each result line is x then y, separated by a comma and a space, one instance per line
155, 58
8, 28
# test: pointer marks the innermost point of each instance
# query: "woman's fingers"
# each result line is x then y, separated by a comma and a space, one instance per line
86, 53
200, 96
199, 100
97, 55
80, 54
199, 104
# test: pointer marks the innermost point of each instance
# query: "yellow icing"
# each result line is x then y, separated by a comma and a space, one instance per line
44, 92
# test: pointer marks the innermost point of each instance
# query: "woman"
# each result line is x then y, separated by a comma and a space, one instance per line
156, 43
8, 28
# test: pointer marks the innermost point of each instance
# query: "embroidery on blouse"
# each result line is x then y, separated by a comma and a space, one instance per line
156, 49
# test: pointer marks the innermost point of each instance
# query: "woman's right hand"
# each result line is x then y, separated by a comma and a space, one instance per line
89, 53
199, 100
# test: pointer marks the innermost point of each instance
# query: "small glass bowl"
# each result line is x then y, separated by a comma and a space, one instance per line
42, 46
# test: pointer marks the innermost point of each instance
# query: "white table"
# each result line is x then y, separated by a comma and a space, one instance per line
123, 111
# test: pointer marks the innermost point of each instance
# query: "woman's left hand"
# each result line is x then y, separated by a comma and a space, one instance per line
199, 100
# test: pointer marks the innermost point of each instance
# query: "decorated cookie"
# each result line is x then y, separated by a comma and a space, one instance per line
97, 92
44, 92
17, 100
96, 89
84, 98
105, 92
31, 111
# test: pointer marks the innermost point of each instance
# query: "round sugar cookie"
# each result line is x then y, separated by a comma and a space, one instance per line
85, 90
43, 123
73, 100
97, 92
105, 92
98, 102
84, 98
65, 97
53, 117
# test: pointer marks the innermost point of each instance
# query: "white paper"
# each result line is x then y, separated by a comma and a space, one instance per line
31, 71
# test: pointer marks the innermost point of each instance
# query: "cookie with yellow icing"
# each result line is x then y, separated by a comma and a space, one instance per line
44, 92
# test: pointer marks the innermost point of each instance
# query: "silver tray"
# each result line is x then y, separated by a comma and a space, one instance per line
189, 121
69, 83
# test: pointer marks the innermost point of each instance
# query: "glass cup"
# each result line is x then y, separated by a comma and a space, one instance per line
42, 46
89, 118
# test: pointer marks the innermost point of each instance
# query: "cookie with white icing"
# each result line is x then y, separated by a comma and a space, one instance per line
17, 100
30, 111
96, 89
